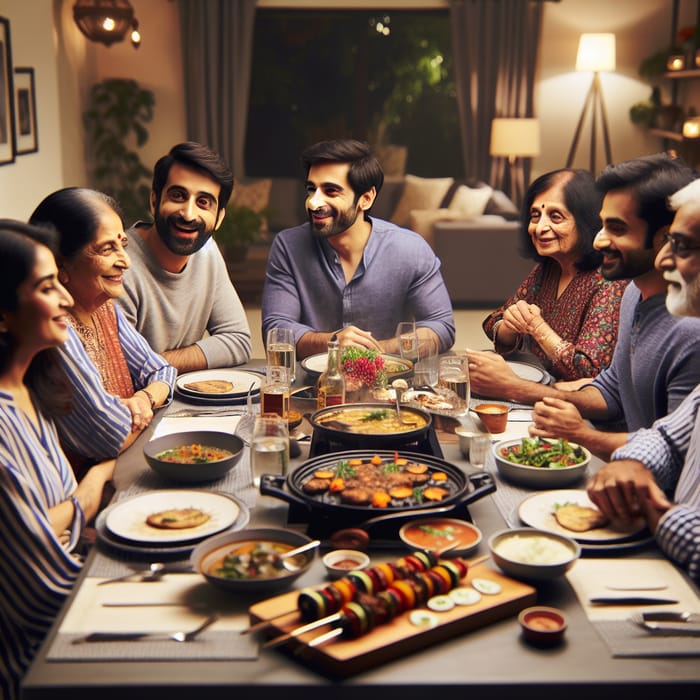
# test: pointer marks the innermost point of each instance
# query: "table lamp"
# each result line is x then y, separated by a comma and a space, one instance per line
596, 53
515, 138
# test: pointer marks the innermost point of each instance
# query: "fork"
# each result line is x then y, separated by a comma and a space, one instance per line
182, 636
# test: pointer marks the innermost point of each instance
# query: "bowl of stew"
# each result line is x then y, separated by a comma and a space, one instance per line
201, 455
455, 537
247, 561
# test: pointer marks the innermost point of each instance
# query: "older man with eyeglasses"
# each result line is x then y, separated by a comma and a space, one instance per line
657, 473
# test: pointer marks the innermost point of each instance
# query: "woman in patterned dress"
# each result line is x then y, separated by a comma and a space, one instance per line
564, 312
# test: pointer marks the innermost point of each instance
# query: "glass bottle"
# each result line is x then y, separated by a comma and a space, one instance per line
331, 383
274, 395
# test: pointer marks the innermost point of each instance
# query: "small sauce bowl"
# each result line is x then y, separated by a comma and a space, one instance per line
494, 416
340, 562
542, 626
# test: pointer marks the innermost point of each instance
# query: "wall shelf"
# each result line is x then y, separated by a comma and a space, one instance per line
664, 134
678, 74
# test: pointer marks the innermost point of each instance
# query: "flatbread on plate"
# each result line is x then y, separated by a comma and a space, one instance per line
579, 518
178, 518
210, 386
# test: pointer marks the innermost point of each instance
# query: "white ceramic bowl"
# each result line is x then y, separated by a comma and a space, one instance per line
533, 555
539, 477
189, 473
339, 562
205, 555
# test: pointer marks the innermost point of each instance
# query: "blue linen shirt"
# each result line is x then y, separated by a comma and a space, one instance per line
398, 279
670, 449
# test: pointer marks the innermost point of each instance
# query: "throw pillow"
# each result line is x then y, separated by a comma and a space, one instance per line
421, 221
254, 195
470, 202
420, 193
501, 204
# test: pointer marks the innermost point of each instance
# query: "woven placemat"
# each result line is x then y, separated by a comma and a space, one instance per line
625, 638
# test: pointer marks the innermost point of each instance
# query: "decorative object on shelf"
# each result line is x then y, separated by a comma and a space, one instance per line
596, 53
107, 21
514, 139
240, 228
644, 113
675, 60
7, 112
117, 114
25, 112
364, 371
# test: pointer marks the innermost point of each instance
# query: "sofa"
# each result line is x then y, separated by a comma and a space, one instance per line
473, 229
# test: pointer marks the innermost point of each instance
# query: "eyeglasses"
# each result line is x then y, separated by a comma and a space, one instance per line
680, 244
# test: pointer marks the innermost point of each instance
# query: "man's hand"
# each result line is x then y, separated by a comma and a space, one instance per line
352, 335
554, 418
626, 489
490, 374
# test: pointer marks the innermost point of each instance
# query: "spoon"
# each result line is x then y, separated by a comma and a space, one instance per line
287, 556
155, 572
399, 386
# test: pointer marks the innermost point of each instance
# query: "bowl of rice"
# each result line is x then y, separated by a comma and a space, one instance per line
533, 555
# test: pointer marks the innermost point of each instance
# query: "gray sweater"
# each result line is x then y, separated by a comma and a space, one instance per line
196, 306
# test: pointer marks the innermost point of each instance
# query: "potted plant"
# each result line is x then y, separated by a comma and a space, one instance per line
117, 114
239, 229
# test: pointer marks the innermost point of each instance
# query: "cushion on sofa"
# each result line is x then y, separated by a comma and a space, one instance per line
470, 202
422, 220
420, 193
499, 203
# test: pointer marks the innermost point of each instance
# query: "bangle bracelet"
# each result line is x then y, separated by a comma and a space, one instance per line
151, 400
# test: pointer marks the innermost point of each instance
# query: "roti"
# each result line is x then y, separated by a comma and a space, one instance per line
579, 518
177, 519
211, 386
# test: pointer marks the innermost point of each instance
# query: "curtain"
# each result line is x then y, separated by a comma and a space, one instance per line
495, 44
217, 47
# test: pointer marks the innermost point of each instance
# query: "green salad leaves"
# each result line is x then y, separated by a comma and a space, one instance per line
549, 454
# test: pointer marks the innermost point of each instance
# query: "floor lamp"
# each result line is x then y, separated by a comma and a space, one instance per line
596, 52
515, 138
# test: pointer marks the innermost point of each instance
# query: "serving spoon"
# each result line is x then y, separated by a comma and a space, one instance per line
287, 557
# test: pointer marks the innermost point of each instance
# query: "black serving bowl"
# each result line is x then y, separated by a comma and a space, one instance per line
200, 471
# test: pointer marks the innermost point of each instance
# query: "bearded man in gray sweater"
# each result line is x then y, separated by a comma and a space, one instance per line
178, 292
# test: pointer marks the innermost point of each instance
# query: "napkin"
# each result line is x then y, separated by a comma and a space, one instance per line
591, 577
177, 602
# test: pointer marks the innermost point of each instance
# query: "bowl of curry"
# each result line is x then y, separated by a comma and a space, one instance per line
198, 455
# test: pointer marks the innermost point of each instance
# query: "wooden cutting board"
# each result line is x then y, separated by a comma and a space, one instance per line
342, 658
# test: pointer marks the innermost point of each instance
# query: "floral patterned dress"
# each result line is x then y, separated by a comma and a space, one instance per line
586, 315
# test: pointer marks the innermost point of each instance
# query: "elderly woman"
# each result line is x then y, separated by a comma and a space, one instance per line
42, 508
564, 312
128, 380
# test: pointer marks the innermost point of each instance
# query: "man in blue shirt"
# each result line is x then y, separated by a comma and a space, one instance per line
657, 473
345, 273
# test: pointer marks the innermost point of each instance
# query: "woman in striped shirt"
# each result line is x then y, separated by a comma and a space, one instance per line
42, 508
102, 345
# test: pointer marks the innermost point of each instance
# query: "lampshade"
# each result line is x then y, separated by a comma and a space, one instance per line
106, 21
596, 52
515, 137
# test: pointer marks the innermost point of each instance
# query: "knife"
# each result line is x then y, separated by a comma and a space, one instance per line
122, 637
632, 600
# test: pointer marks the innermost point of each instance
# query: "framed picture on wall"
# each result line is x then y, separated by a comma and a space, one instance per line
26, 136
7, 114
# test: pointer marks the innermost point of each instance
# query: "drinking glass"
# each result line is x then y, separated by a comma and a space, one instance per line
281, 350
270, 447
478, 449
407, 340
425, 370
453, 374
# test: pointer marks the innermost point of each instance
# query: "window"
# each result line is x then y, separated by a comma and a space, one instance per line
363, 74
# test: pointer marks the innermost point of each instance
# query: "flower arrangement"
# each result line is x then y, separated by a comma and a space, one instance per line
363, 367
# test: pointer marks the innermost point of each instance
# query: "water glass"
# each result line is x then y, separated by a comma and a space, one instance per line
270, 447
408, 340
425, 370
479, 446
453, 374
281, 350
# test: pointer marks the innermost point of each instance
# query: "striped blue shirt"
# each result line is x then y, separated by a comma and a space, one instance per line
670, 449
36, 571
99, 422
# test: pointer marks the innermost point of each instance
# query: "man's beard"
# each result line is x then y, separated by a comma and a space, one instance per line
340, 222
174, 245
682, 299
636, 263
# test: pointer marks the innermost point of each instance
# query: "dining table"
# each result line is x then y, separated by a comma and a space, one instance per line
491, 661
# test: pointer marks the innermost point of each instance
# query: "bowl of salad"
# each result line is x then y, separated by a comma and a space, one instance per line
541, 463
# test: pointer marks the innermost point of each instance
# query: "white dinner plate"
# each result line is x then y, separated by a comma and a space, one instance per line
316, 364
526, 371
538, 511
240, 379
127, 519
